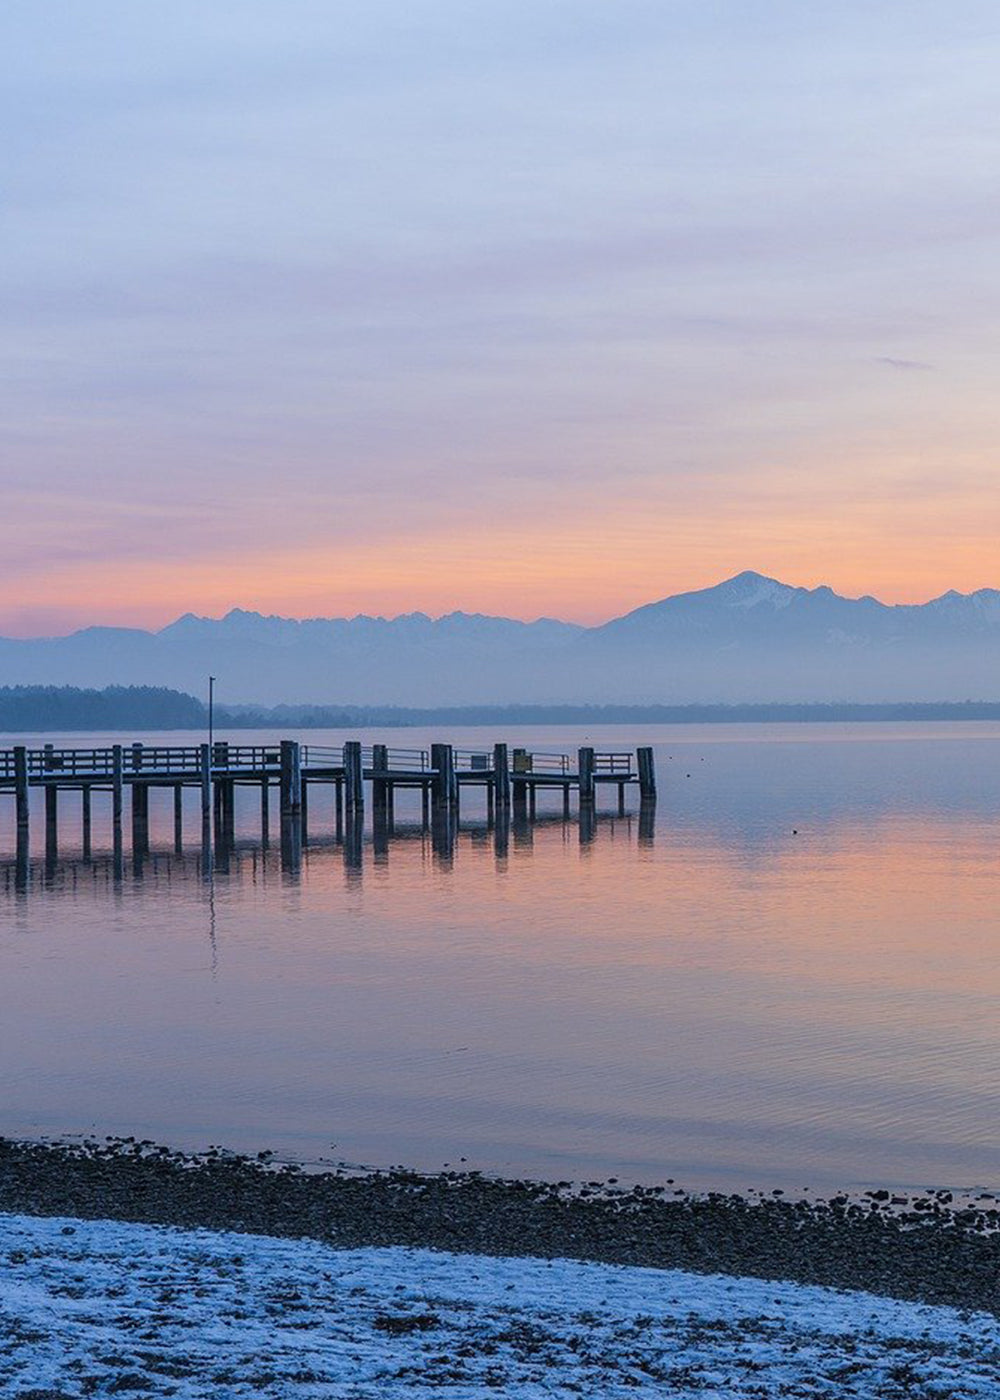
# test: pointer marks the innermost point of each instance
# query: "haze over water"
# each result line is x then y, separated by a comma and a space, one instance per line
792, 982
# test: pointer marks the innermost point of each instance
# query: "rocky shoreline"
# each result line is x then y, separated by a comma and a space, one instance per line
915, 1248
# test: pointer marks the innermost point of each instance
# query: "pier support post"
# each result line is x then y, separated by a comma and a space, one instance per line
380, 785
229, 811
85, 819
21, 789
585, 760
304, 813
647, 774
291, 780
445, 778
117, 799
51, 819
519, 785
265, 813
205, 774
501, 775
140, 818
354, 777
178, 819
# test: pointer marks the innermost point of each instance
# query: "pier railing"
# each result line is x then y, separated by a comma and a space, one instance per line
541, 764
473, 760
323, 755
623, 763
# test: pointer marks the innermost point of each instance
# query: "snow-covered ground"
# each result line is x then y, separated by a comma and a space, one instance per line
99, 1308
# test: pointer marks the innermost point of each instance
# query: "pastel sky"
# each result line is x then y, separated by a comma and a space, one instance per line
529, 306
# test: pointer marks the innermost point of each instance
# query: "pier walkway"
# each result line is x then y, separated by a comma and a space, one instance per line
511, 779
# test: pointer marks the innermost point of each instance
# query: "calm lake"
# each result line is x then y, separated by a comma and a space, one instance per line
791, 980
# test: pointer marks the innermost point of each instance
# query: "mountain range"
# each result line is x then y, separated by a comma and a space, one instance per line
747, 639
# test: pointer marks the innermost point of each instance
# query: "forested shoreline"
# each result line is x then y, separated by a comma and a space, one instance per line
64, 709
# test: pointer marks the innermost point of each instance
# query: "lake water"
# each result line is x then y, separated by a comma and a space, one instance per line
791, 980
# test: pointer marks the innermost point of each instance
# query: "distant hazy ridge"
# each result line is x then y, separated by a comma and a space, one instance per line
748, 640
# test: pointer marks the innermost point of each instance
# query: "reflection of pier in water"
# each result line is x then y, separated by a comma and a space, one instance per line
442, 838
511, 782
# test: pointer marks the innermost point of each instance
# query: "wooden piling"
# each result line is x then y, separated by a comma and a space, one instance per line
380, 787
117, 792
21, 795
51, 820
501, 775
178, 819
445, 777
585, 761
291, 779
354, 777
140, 818
85, 819
304, 814
647, 774
519, 785
230, 812
205, 772
265, 813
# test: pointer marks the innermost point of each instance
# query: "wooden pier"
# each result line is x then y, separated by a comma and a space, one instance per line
511, 780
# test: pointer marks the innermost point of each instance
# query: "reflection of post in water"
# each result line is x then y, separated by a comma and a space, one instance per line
354, 831
588, 824
21, 868
222, 850
291, 847
522, 829
443, 835
206, 847
647, 822
381, 831
501, 833
138, 861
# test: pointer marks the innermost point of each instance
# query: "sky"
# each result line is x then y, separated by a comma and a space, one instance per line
541, 307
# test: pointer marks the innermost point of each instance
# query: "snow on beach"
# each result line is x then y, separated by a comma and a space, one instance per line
101, 1307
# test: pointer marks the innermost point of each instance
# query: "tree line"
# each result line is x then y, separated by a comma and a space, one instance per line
135, 708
